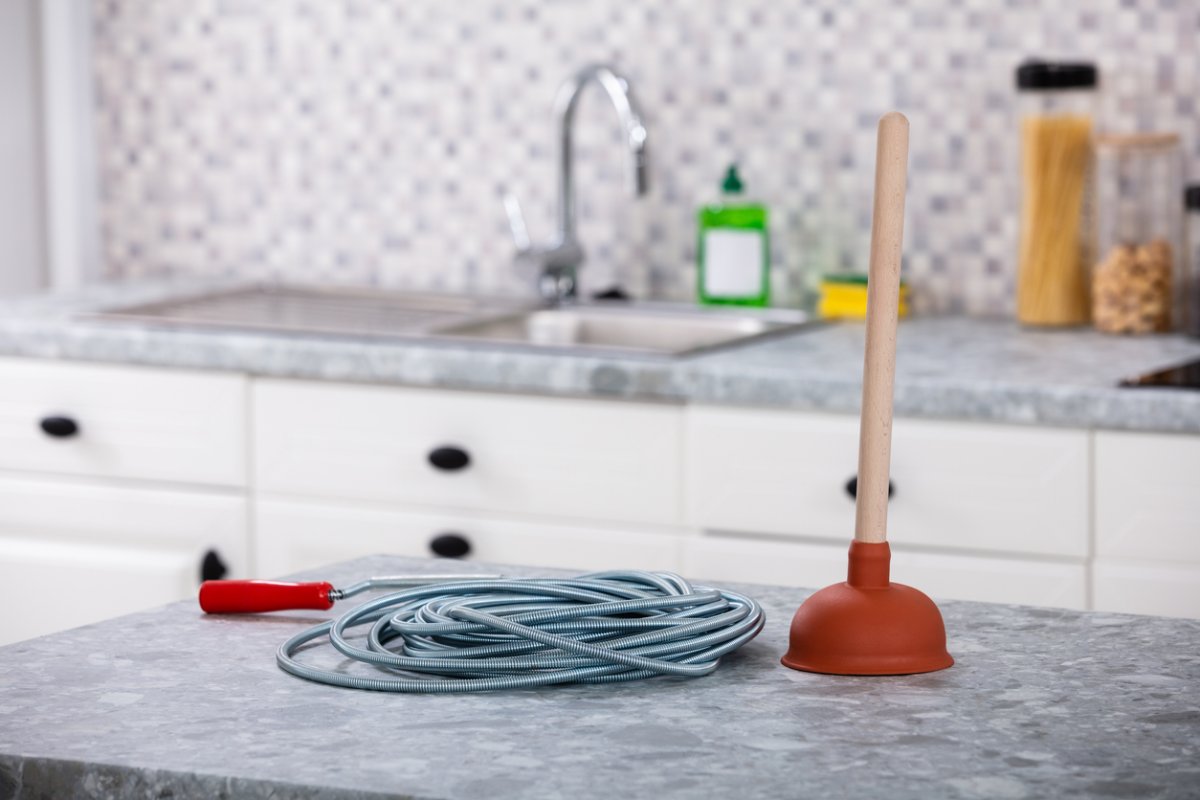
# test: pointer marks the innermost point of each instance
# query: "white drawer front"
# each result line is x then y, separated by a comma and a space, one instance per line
295, 535
132, 423
72, 553
1148, 496
571, 458
1146, 587
961, 486
960, 577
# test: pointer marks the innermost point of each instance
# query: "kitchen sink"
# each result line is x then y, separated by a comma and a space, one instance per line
646, 330
327, 310
617, 327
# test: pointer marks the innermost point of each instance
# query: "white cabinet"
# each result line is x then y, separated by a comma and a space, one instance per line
118, 516
1148, 496
1147, 523
72, 553
294, 535
958, 486
85, 533
1146, 587
989, 579
158, 425
581, 459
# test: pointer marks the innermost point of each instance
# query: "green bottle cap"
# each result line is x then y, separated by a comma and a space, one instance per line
733, 182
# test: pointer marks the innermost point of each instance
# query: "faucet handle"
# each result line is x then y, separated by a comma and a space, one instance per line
516, 223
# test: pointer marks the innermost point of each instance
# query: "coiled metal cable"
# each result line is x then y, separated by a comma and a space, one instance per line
484, 635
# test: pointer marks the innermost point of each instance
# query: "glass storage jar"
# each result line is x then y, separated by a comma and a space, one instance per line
1057, 104
1191, 280
1139, 234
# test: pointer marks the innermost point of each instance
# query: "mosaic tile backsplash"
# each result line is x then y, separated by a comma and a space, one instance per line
372, 141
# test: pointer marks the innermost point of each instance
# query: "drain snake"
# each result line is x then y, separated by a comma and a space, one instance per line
516, 633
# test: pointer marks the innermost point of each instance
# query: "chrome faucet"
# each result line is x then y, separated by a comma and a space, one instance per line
558, 262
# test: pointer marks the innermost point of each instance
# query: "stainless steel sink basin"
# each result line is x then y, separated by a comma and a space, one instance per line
654, 330
340, 311
633, 329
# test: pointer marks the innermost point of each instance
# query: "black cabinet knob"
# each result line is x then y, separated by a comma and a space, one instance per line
212, 568
449, 459
59, 427
852, 487
450, 545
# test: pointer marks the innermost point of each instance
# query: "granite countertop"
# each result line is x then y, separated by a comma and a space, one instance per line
956, 368
1042, 703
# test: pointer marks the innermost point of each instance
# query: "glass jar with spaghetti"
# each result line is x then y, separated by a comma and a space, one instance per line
1137, 279
1057, 104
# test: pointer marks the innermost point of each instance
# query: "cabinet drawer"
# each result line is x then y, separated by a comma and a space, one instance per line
72, 553
1146, 587
571, 458
132, 423
293, 535
960, 577
957, 485
1147, 503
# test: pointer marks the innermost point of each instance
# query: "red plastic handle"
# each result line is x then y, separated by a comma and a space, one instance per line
251, 597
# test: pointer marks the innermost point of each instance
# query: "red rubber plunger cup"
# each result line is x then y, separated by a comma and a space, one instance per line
869, 625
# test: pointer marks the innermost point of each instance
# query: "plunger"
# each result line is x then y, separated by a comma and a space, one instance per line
869, 625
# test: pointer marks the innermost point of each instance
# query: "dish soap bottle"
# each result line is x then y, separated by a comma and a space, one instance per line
733, 259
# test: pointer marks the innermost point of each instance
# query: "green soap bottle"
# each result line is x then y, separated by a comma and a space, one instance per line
733, 259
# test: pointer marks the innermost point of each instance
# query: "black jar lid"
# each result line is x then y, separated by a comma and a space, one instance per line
1191, 197
1038, 76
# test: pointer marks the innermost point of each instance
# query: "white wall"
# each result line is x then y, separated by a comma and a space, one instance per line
22, 255
72, 239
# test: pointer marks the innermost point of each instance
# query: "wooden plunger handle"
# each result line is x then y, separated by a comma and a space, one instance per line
883, 303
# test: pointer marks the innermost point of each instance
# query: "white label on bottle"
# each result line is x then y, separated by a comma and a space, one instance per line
733, 263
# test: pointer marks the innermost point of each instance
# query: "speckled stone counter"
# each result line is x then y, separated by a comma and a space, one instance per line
947, 367
1042, 703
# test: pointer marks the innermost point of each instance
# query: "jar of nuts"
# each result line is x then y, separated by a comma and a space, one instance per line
1135, 283
1131, 289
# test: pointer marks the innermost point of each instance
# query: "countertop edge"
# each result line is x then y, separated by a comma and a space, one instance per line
1076, 408
1069, 390
595, 378
53, 777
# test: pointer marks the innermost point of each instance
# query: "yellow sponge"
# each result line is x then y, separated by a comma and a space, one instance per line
844, 296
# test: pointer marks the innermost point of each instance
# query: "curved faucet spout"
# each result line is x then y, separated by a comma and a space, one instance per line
557, 262
630, 116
